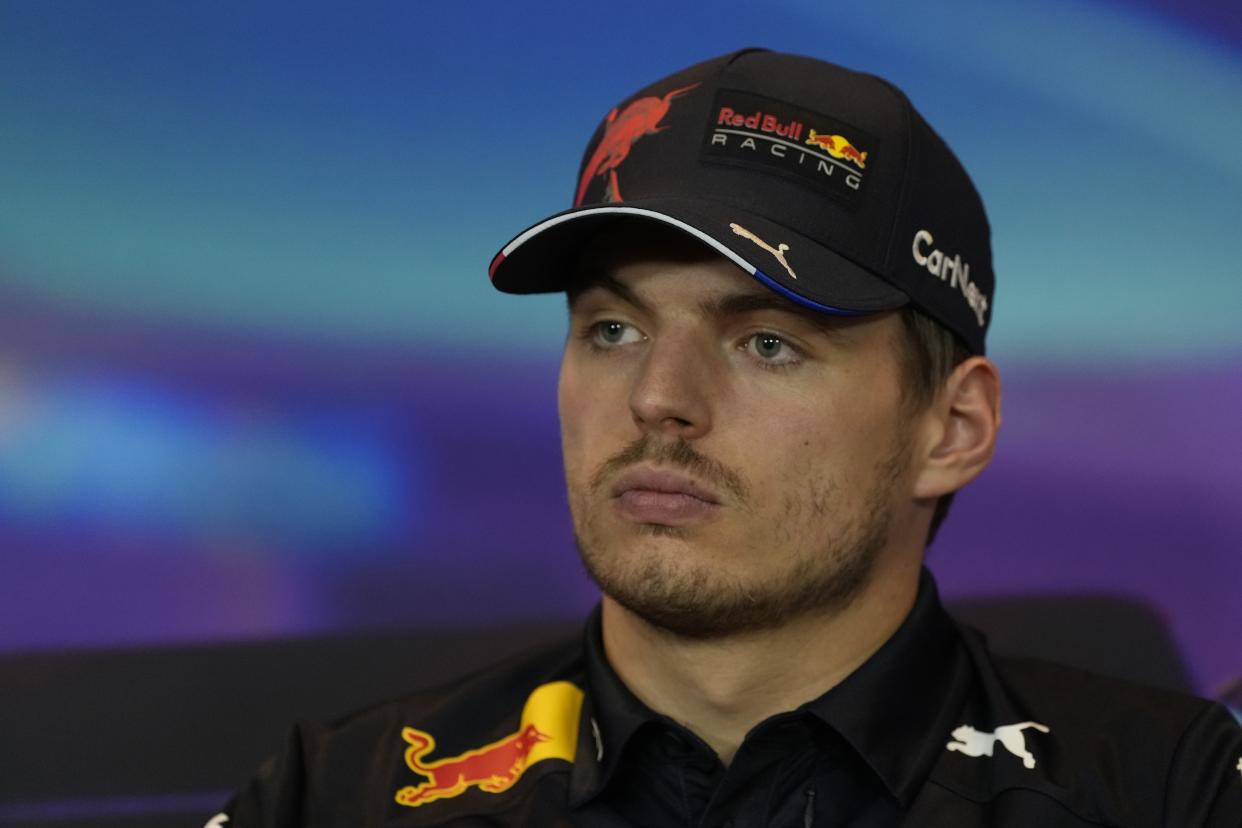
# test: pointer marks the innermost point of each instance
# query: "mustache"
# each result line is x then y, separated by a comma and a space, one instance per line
677, 454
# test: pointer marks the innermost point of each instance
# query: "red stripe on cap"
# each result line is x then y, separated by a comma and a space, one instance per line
491, 269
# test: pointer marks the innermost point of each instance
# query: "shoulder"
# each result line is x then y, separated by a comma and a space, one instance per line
457, 716
491, 726
1103, 706
1114, 752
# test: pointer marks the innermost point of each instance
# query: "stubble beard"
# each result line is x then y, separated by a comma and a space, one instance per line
691, 598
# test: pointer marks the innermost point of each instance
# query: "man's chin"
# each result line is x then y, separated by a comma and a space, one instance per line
699, 618
680, 584
668, 587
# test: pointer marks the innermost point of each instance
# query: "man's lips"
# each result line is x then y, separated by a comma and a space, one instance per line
664, 481
663, 496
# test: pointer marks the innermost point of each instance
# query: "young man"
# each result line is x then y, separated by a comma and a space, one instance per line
779, 283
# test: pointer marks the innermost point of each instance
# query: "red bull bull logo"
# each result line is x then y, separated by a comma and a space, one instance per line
624, 128
838, 146
494, 768
548, 730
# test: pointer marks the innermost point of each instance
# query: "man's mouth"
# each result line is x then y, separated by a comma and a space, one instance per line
650, 495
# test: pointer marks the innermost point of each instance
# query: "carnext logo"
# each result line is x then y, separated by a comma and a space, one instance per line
953, 269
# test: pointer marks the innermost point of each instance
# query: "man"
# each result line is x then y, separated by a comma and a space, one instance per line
779, 284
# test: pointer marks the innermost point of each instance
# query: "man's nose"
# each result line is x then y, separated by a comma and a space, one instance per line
673, 392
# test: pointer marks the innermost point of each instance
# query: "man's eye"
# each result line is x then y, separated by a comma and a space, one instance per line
771, 348
612, 332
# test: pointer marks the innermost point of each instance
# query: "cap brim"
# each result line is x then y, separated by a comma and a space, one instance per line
543, 258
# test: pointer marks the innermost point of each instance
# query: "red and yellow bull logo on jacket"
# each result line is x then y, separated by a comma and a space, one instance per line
548, 730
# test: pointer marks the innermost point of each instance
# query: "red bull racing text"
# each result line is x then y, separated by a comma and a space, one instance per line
753, 131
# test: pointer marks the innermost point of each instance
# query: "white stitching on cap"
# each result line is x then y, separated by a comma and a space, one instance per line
634, 211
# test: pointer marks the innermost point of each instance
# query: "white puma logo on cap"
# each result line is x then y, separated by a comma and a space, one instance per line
779, 251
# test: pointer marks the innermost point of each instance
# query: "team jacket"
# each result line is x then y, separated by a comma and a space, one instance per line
933, 730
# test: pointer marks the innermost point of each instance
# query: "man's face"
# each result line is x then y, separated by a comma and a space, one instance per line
732, 460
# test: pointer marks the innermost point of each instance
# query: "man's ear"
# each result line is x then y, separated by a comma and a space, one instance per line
960, 428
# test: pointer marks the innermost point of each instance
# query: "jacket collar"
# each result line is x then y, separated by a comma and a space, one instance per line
896, 710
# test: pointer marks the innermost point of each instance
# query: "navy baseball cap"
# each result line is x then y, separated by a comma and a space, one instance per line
823, 183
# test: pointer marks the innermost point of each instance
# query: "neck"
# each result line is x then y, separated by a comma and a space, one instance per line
720, 688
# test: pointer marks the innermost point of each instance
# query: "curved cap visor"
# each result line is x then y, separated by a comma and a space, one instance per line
544, 257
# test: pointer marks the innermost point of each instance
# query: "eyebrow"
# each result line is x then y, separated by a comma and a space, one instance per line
733, 304
599, 280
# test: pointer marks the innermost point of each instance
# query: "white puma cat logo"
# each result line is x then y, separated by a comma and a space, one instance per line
779, 251
973, 743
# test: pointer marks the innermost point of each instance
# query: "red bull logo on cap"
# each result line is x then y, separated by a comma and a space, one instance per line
548, 730
622, 130
769, 135
838, 146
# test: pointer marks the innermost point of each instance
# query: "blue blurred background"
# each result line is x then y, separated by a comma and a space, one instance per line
254, 381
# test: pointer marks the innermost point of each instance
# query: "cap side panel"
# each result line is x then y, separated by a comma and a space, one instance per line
904, 195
